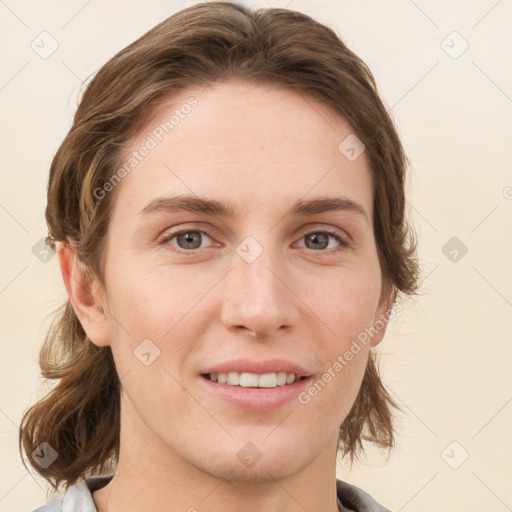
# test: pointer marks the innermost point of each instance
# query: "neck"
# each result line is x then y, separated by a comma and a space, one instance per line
152, 476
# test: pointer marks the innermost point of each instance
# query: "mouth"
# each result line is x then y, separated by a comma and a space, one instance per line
255, 380
255, 392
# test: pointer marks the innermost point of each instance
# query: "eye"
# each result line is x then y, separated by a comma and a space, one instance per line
319, 240
188, 240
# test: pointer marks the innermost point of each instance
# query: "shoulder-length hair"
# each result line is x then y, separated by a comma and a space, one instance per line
204, 44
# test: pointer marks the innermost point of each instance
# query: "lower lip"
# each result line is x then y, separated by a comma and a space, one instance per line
257, 399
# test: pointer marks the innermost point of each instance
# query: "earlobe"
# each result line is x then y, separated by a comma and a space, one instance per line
83, 294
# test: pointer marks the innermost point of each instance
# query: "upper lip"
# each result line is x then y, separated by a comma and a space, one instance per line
251, 366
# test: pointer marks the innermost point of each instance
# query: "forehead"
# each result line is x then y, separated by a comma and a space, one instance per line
250, 144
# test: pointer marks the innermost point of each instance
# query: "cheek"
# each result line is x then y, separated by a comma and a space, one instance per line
349, 314
343, 360
149, 305
151, 296
151, 339
331, 395
347, 302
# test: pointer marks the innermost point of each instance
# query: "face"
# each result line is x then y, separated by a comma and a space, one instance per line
254, 282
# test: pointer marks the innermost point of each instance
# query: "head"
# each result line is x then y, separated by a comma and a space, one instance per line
258, 112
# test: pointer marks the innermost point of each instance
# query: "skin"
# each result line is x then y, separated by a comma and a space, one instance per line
261, 148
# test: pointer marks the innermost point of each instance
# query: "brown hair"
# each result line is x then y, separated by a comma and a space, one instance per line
201, 45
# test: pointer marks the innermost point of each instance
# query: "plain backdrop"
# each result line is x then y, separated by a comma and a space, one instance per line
444, 71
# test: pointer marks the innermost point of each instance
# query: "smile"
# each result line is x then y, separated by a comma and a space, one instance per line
254, 380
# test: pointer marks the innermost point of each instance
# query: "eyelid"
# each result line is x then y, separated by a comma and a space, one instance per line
342, 240
184, 227
167, 236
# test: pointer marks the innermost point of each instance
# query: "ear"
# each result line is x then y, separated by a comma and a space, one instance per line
383, 313
84, 293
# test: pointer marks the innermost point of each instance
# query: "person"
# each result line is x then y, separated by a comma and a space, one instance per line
228, 210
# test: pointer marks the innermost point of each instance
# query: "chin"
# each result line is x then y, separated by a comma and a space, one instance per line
258, 462
261, 472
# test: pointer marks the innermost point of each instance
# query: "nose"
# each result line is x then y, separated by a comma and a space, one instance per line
258, 298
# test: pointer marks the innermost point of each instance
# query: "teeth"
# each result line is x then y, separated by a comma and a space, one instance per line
281, 378
233, 379
268, 380
254, 380
248, 380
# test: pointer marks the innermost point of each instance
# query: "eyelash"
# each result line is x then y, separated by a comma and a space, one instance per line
344, 244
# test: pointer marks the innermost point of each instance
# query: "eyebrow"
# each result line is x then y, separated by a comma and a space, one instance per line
195, 204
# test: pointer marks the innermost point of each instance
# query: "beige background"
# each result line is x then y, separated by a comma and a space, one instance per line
447, 357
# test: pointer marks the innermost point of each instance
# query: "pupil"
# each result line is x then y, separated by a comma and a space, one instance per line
188, 238
318, 238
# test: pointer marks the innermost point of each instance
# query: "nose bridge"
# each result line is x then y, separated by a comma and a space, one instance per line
256, 296
253, 269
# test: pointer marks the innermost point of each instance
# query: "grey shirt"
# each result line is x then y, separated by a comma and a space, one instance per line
78, 498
